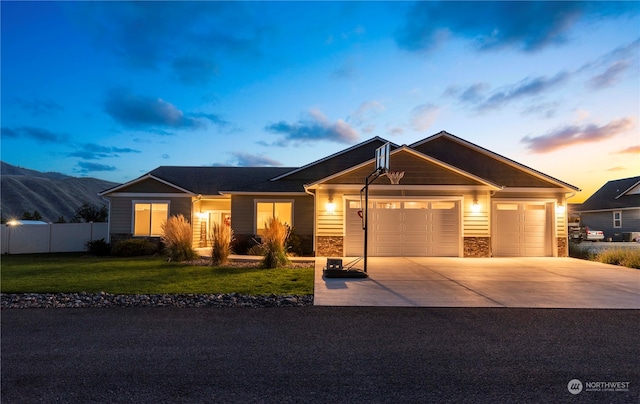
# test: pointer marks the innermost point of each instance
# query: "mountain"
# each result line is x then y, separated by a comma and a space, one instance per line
51, 194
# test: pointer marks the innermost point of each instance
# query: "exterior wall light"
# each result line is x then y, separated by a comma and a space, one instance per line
201, 215
330, 206
13, 222
560, 208
475, 208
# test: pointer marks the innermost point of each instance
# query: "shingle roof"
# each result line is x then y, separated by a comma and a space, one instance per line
609, 196
214, 180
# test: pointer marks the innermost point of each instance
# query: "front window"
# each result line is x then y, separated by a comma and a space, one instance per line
148, 218
617, 219
282, 211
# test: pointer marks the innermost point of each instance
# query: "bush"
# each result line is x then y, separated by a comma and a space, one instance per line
98, 248
134, 247
241, 243
221, 236
580, 251
177, 237
273, 241
623, 256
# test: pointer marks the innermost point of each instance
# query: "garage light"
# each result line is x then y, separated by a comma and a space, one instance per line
560, 208
475, 207
330, 206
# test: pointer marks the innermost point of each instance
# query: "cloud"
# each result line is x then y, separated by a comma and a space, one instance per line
92, 151
165, 156
346, 70
314, 127
526, 26
194, 70
630, 150
610, 76
136, 111
423, 116
573, 135
38, 134
394, 130
37, 106
472, 94
525, 88
365, 111
85, 167
252, 160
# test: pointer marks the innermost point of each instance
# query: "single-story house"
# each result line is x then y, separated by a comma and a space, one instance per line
455, 199
614, 209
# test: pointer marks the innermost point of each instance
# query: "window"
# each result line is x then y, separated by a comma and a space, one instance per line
617, 219
282, 211
148, 218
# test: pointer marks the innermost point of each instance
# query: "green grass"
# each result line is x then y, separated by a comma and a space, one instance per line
57, 273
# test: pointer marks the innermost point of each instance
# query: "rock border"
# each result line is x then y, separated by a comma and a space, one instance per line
103, 299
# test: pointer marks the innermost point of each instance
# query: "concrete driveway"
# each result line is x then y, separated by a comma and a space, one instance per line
482, 282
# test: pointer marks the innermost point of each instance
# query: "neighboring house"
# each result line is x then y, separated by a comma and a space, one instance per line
455, 199
614, 209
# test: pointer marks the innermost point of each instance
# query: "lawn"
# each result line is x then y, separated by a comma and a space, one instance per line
57, 273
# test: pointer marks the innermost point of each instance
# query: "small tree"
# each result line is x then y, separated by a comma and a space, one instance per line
32, 216
90, 213
221, 238
177, 237
273, 240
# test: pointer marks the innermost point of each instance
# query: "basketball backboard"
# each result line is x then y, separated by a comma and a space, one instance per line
382, 157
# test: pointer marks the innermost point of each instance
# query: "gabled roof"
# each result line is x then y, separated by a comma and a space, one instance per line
337, 162
615, 194
485, 163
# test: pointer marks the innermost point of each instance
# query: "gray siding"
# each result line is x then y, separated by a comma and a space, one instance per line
121, 214
604, 221
243, 212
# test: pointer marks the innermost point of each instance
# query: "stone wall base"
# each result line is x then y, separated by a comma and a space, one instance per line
329, 246
477, 247
563, 247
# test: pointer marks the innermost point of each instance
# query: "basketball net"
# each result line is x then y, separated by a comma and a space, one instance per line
395, 176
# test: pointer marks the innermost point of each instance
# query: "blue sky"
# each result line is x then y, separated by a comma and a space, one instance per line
114, 89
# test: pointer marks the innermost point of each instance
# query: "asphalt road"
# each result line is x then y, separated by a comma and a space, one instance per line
318, 354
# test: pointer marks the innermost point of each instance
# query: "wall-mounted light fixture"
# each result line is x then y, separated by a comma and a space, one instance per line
560, 208
201, 215
330, 206
475, 207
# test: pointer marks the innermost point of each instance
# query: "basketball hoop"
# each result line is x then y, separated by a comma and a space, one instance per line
395, 176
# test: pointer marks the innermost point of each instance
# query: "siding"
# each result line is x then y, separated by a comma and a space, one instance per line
476, 224
604, 221
243, 212
121, 214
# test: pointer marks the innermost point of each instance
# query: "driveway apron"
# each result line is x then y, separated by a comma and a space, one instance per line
482, 282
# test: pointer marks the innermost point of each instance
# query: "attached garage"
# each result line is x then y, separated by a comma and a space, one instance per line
418, 228
522, 229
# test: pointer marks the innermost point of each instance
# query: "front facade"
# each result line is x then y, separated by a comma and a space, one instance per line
614, 209
449, 198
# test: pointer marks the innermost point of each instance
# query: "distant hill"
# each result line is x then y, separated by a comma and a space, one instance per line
51, 194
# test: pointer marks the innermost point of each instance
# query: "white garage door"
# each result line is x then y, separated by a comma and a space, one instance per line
522, 230
405, 228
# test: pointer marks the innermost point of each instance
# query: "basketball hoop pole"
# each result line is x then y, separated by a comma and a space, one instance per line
378, 172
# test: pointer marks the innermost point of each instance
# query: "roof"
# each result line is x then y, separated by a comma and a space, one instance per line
615, 194
443, 148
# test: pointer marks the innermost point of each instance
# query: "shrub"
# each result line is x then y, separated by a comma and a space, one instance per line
177, 237
580, 251
622, 256
257, 249
134, 247
273, 241
221, 237
294, 246
98, 248
241, 243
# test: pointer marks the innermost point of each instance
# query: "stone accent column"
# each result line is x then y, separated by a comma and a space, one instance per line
563, 247
329, 246
477, 247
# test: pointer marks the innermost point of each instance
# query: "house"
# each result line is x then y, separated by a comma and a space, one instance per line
455, 199
614, 209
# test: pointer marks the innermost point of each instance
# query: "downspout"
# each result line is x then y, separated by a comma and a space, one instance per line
315, 214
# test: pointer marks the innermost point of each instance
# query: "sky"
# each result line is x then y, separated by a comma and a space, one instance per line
112, 90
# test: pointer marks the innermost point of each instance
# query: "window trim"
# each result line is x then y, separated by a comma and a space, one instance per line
619, 226
255, 210
134, 202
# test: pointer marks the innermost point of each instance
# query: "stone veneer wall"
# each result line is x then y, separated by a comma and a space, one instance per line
563, 250
477, 247
329, 246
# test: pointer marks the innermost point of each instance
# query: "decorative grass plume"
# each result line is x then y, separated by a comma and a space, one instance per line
177, 237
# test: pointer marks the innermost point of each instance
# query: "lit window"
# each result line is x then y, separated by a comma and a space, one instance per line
617, 219
148, 218
282, 211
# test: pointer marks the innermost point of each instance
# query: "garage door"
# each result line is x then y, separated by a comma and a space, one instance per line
522, 230
405, 228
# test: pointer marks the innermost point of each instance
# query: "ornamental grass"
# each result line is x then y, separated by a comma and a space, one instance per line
221, 238
274, 241
177, 237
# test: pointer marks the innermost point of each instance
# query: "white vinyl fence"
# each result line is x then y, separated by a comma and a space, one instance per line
51, 237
